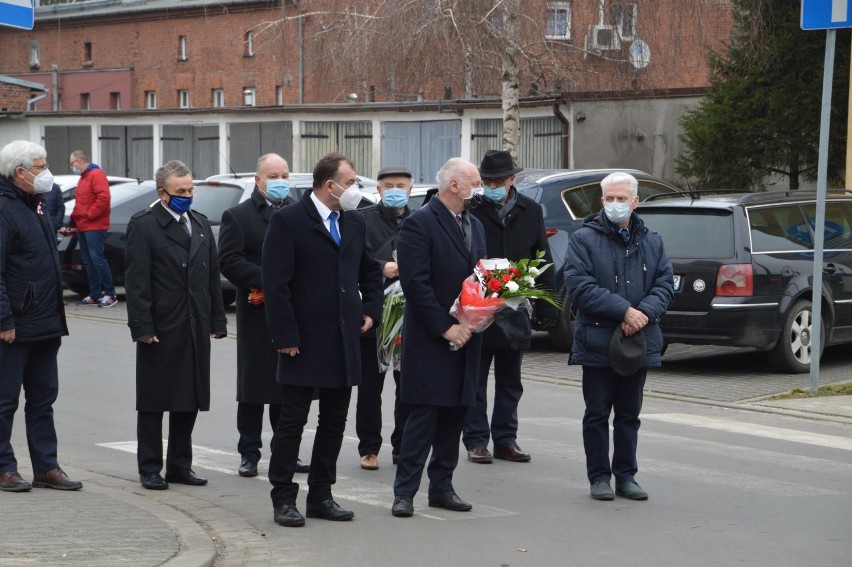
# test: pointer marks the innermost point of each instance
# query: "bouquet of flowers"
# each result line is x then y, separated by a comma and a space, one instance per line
498, 284
390, 330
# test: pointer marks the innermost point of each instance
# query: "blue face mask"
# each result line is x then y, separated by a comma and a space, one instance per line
75, 170
277, 189
496, 194
395, 198
179, 204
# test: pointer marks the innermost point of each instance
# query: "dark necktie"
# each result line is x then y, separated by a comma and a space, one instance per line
624, 233
464, 228
335, 235
183, 224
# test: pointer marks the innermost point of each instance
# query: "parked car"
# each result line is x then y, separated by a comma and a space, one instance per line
68, 183
566, 198
743, 267
126, 199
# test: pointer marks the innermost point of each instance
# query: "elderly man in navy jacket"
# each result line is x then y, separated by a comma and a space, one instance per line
437, 248
619, 278
323, 290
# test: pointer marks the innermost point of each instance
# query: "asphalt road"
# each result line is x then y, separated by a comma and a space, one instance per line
728, 486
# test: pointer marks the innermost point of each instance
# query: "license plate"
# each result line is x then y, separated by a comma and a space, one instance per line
677, 281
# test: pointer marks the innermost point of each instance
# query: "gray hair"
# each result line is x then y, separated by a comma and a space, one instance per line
19, 153
80, 155
452, 169
170, 168
619, 178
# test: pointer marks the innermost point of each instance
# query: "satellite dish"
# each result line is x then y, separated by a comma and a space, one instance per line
640, 54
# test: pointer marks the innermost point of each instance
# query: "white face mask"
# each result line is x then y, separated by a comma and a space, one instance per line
43, 182
617, 212
350, 198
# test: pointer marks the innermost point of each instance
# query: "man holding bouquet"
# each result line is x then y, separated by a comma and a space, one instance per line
437, 248
514, 229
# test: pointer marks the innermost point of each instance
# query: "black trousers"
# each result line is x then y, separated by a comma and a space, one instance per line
429, 427
250, 426
333, 408
149, 434
508, 389
368, 409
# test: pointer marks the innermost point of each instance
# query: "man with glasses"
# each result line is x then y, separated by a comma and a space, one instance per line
437, 248
322, 290
514, 229
91, 217
32, 317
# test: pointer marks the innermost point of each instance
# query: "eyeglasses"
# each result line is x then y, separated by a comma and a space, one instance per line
40, 168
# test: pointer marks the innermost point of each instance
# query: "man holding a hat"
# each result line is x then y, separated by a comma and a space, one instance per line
514, 229
383, 221
620, 281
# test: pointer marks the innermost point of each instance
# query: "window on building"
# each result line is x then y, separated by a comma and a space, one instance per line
150, 100
249, 41
279, 95
35, 54
115, 101
87, 53
85, 101
183, 99
182, 49
624, 18
249, 96
558, 20
218, 98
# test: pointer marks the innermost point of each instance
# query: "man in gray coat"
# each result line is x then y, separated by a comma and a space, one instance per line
174, 307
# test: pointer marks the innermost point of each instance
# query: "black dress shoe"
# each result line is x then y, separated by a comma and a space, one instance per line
329, 510
153, 481
511, 453
185, 477
403, 507
449, 500
302, 467
248, 466
288, 516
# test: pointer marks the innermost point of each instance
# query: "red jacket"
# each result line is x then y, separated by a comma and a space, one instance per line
91, 211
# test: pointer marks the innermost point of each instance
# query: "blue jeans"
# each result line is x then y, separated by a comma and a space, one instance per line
605, 392
97, 268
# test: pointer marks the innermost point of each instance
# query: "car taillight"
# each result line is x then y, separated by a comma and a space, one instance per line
550, 231
735, 280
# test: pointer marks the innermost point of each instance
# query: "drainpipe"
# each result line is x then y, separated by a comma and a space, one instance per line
32, 101
301, 60
55, 73
564, 159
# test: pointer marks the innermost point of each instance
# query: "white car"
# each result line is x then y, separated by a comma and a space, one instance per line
68, 183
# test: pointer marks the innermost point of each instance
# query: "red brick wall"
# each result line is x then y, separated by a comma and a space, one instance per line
13, 98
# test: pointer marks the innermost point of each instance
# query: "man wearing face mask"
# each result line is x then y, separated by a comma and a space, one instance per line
322, 291
514, 229
383, 222
174, 308
32, 317
620, 280
438, 247
240, 252
91, 217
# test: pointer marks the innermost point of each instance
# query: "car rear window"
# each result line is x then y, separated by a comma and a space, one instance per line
838, 224
779, 229
692, 233
213, 200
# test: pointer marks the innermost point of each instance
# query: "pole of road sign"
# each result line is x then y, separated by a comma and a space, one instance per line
849, 129
819, 229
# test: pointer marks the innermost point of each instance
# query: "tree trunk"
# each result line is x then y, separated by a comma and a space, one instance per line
794, 172
511, 83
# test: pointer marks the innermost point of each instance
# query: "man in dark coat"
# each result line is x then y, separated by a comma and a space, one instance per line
438, 247
174, 307
383, 222
514, 229
240, 253
32, 317
619, 278
55, 207
322, 290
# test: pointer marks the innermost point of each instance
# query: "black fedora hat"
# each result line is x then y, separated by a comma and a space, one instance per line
626, 354
497, 164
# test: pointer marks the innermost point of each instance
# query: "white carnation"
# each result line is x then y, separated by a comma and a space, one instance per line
534, 271
530, 280
512, 286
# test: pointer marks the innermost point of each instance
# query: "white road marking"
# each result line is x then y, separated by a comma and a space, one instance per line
753, 429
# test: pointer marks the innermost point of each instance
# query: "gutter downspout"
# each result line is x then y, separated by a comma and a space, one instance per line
301, 60
565, 156
55, 73
34, 100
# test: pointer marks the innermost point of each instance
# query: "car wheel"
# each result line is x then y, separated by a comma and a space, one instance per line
562, 335
228, 296
792, 352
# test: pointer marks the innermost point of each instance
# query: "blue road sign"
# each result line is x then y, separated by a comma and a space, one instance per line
16, 14
826, 14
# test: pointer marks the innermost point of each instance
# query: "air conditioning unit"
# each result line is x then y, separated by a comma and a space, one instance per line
603, 38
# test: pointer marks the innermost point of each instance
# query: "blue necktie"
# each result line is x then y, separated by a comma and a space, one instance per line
332, 218
624, 233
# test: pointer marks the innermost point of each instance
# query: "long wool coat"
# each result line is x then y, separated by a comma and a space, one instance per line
173, 293
240, 253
